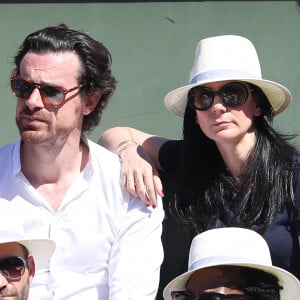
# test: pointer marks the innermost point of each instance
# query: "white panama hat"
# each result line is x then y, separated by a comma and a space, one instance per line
11, 230
235, 247
227, 57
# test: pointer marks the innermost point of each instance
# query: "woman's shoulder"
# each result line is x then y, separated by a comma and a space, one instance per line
297, 157
169, 154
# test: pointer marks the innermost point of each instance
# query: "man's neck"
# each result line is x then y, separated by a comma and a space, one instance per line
52, 171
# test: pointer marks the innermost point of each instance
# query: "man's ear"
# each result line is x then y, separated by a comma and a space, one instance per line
90, 102
31, 268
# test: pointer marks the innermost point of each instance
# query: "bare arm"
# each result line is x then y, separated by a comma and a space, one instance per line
139, 153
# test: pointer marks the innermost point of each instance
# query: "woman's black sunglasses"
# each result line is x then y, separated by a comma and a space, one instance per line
232, 94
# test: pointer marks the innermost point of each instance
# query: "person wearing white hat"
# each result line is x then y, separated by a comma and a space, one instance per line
232, 263
232, 166
20, 258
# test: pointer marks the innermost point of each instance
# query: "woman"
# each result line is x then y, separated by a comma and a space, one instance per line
232, 168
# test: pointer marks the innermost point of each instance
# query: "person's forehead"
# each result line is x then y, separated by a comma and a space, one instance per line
215, 276
50, 67
219, 84
11, 249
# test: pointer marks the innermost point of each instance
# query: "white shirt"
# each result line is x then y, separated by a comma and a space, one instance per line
108, 243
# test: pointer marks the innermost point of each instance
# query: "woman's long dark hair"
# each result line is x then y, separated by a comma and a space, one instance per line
206, 194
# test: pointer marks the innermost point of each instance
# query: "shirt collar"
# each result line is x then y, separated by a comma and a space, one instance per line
16, 157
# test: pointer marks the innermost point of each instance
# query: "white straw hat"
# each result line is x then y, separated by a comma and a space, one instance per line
235, 247
11, 230
227, 57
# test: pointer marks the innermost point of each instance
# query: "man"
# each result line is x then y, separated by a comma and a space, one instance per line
108, 242
19, 257
232, 263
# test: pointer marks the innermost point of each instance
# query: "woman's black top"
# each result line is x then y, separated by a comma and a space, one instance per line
281, 236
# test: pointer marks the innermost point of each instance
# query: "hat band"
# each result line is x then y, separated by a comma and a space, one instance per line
223, 74
222, 260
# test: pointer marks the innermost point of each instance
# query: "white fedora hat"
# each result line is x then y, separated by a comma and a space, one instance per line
11, 230
227, 57
235, 247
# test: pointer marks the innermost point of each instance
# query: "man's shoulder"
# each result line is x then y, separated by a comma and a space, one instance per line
8, 149
104, 159
101, 152
9, 162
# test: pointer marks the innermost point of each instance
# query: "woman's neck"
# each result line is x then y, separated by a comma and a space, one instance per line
235, 155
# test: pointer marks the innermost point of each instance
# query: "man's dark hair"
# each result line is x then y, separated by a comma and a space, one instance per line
95, 63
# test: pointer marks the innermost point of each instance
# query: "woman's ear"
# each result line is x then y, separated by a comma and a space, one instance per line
90, 102
257, 111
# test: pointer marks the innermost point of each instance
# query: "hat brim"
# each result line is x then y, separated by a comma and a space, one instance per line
40, 249
278, 95
290, 284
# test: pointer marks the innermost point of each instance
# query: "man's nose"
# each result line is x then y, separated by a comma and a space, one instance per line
3, 281
35, 99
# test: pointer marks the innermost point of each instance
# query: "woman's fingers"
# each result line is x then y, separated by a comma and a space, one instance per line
140, 177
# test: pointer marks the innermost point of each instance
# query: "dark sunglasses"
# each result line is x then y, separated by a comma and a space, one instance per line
13, 267
233, 94
52, 96
185, 295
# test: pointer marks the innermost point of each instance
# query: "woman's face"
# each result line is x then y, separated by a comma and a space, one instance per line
222, 123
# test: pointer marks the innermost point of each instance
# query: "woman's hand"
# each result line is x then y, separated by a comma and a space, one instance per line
139, 175
139, 169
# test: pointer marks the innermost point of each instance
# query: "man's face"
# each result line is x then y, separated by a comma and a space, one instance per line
38, 123
16, 289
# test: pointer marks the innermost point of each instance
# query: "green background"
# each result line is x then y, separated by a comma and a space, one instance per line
152, 45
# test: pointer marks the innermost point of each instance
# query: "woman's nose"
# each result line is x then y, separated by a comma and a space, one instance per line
218, 105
